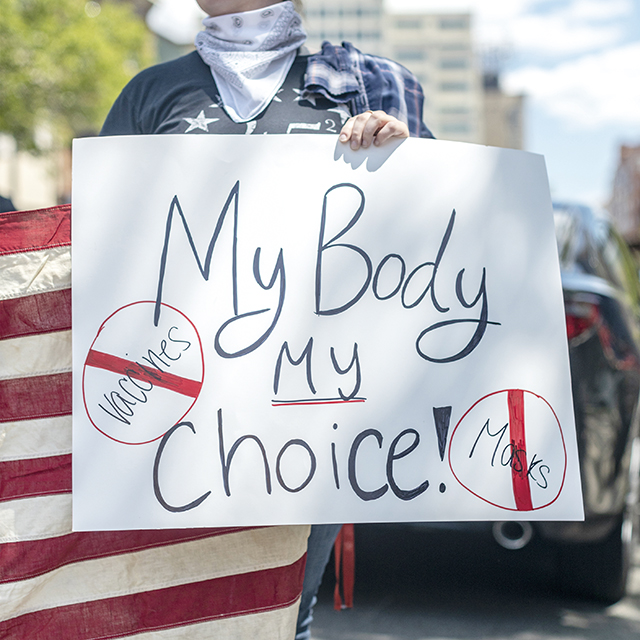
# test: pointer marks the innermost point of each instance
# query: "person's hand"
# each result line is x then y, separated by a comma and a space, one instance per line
372, 127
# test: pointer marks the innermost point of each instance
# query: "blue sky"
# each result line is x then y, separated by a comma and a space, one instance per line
578, 63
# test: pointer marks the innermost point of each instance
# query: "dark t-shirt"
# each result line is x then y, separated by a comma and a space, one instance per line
181, 96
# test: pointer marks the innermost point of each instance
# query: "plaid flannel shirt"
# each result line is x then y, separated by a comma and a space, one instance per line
345, 75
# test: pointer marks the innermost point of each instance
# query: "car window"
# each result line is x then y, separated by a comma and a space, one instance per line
575, 246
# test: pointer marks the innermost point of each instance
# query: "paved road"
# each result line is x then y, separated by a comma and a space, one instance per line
453, 585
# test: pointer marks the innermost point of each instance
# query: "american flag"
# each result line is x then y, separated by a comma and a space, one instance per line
54, 583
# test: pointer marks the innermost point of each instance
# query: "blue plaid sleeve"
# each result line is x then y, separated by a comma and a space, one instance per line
347, 76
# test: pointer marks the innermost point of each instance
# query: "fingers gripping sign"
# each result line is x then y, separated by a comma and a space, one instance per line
372, 127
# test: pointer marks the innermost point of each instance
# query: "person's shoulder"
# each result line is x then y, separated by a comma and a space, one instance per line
370, 60
339, 55
136, 109
169, 71
373, 82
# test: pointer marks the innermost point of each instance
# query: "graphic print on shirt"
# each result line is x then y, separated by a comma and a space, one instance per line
289, 112
201, 122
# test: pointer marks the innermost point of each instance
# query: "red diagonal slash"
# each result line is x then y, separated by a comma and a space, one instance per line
151, 375
519, 465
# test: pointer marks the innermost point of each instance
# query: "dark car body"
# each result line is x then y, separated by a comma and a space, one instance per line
602, 306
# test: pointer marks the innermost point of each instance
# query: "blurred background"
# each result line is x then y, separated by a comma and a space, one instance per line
555, 77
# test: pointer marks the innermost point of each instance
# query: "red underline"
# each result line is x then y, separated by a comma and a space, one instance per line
298, 403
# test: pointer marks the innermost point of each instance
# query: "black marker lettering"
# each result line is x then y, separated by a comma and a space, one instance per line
203, 268
393, 456
431, 286
500, 433
312, 465
176, 340
334, 460
305, 355
361, 493
225, 460
142, 400
151, 357
278, 274
355, 361
376, 277
323, 247
163, 351
120, 411
156, 469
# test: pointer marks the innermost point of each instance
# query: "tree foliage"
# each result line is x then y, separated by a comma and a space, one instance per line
63, 62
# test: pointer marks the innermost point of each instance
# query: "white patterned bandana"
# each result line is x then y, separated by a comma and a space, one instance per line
250, 54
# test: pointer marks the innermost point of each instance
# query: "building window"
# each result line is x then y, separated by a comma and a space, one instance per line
455, 127
455, 111
454, 86
409, 23
454, 63
410, 54
454, 23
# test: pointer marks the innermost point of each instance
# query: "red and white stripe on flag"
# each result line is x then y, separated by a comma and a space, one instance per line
54, 583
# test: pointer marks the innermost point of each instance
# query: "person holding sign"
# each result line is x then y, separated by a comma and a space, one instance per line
250, 74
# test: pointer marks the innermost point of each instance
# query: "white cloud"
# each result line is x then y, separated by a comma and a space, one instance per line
595, 90
581, 26
482, 9
558, 34
599, 9
561, 29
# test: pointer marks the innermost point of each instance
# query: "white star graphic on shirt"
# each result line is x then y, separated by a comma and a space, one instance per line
275, 98
310, 98
201, 122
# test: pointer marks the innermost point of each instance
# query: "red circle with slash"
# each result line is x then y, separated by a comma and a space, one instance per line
508, 449
141, 378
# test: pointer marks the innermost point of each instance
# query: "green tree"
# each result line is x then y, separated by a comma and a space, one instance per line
63, 62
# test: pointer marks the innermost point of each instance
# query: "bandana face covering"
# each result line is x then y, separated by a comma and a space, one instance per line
250, 54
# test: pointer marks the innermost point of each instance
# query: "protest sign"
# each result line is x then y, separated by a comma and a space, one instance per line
278, 329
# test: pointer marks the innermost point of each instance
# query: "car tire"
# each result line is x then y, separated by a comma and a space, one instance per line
599, 570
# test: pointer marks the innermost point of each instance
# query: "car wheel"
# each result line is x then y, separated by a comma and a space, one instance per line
599, 570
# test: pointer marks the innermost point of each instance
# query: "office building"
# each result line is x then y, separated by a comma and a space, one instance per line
624, 205
440, 50
355, 21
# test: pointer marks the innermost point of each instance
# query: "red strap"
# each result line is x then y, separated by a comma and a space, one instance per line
345, 557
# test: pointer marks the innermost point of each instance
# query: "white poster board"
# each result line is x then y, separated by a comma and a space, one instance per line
277, 329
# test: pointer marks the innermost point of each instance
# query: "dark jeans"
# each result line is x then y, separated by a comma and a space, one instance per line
319, 547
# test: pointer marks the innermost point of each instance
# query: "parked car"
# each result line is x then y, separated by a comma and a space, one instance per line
602, 305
